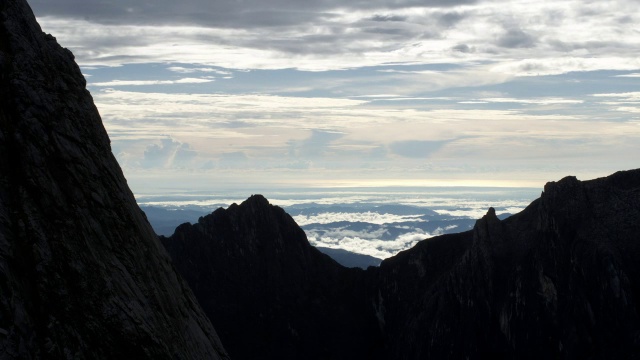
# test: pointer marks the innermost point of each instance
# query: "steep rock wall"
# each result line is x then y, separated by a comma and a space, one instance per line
82, 274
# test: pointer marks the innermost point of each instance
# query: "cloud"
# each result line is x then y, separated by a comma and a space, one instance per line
189, 70
626, 96
342, 232
368, 217
477, 213
316, 145
533, 101
417, 148
632, 75
516, 38
287, 34
351, 141
234, 159
223, 13
168, 153
463, 48
628, 102
449, 19
384, 18
552, 65
368, 246
116, 83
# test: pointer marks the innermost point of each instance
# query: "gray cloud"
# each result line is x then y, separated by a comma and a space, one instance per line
329, 34
384, 18
219, 13
598, 46
516, 38
463, 48
449, 19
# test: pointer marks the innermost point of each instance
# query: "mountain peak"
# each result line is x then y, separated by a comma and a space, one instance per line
256, 251
257, 198
256, 202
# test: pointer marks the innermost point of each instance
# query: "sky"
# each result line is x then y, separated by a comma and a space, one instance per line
253, 95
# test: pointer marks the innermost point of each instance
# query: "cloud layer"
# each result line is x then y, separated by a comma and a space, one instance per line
368, 217
315, 93
520, 37
371, 222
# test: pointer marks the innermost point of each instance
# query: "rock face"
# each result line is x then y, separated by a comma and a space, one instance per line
276, 296
561, 280
82, 275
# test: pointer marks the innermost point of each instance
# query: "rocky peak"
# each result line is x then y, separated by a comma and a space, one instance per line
257, 201
558, 280
275, 296
82, 275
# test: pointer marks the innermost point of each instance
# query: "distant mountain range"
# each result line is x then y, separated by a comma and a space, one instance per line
165, 220
83, 275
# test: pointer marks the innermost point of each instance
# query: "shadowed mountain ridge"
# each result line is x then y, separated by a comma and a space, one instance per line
561, 279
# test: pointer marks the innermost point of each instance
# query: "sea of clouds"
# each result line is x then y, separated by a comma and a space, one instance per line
374, 222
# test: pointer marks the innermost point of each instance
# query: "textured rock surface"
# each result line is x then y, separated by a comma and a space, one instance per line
276, 296
559, 280
82, 274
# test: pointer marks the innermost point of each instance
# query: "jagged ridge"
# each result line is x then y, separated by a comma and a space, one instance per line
561, 279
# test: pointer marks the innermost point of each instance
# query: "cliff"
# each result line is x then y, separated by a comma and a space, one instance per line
82, 275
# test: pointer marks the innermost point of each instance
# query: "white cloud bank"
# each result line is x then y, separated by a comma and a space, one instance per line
115, 83
381, 249
368, 217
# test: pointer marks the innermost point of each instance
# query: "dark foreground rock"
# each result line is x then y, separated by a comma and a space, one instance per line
276, 296
82, 275
560, 280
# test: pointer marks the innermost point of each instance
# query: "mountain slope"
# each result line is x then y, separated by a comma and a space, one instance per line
275, 296
558, 280
82, 274
561, 279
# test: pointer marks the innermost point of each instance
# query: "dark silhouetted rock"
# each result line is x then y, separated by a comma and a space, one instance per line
350, 259
559, 280
275, 296
82, 274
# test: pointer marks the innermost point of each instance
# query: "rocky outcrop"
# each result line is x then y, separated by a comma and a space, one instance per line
82, 275
275, 296
561, 280
558, 280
